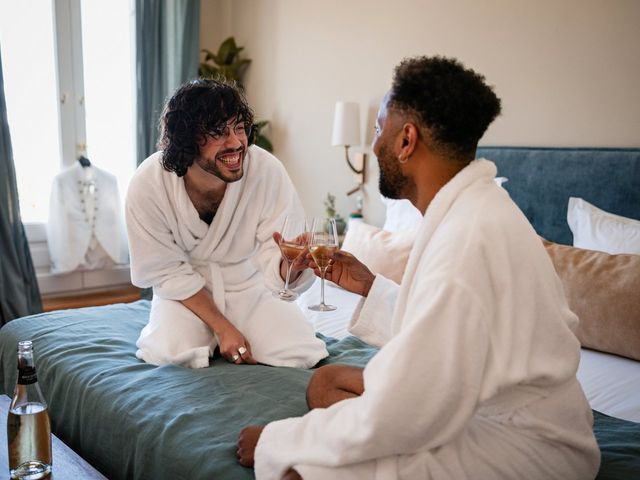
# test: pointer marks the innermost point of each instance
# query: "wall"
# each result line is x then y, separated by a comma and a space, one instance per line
567, 72
215, 23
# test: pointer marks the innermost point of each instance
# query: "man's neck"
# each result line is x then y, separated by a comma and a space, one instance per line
205, 192
203, 184
432, 173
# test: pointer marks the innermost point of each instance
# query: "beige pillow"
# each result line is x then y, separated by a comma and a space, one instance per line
383, 252
604, 291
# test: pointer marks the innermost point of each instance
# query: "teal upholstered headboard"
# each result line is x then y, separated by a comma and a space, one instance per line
541, 180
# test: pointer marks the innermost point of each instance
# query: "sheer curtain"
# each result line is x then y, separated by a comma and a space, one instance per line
167, 48
19, 294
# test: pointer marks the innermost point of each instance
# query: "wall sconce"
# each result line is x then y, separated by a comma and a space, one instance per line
346, 132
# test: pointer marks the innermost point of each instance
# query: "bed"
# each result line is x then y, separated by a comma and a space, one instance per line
131, 420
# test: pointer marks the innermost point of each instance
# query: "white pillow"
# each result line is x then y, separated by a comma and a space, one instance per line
595, 229
500, 180
382, 251
401, 215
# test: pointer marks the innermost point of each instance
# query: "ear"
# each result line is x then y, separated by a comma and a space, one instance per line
409, 140
201, 140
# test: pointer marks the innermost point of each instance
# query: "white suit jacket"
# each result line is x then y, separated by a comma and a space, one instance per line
85, 205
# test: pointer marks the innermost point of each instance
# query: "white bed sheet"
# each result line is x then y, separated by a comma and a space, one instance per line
611, 383
332, 324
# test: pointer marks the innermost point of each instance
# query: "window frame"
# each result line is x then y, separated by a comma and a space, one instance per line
70, 80
68, 61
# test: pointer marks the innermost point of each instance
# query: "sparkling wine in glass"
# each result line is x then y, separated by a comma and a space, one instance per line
323, 244
293, 242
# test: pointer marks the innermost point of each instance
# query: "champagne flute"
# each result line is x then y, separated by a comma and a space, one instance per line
323, 244
293, 242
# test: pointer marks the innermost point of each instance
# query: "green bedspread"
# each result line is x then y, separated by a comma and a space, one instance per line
136, 421
133, 420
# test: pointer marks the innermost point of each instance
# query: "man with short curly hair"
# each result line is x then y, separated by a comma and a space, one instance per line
200, 214
476, 374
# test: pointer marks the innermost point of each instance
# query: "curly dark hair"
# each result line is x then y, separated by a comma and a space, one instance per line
198, 108
454, 103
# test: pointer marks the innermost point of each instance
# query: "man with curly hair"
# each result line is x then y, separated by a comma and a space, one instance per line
476, 374
200, 215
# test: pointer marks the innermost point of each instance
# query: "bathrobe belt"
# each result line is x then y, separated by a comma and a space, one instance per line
509, 401
226, 277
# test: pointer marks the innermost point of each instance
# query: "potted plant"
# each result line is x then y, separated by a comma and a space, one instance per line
330, 206
226, 63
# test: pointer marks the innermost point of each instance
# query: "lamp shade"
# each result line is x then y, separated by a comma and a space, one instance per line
346, 124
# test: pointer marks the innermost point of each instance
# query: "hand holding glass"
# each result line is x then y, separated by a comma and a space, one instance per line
323, 244
293, 242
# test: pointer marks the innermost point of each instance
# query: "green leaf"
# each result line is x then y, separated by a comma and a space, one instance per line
263, 142
226, 72
227, 51
208, 71
260, 125
230, 66
209, 55
238, 68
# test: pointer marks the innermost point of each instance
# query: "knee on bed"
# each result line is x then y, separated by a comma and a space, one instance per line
175, 335
333, 383
193, 358
320, 382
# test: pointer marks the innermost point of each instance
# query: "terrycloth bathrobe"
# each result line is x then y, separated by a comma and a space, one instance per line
234, 258
476, 378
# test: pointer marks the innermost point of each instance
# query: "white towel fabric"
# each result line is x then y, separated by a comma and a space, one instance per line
234, 258
476, 377
86, 224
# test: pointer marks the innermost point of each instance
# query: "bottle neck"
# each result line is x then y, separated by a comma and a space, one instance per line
26, 366
27, 389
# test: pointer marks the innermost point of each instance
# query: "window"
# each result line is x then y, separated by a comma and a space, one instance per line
69, 86
29, 70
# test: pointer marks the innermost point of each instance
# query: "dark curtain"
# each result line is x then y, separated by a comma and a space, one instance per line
19, 294
167, 52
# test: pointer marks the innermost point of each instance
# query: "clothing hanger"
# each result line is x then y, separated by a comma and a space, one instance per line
84, 161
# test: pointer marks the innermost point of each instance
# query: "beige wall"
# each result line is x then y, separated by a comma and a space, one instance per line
568, 71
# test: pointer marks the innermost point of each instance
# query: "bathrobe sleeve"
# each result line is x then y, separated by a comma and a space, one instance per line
278, 200
371, 320
437, 361
156, 259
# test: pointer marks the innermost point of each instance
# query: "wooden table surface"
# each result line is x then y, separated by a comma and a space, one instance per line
67, 464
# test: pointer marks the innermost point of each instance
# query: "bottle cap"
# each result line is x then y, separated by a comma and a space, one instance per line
24, 345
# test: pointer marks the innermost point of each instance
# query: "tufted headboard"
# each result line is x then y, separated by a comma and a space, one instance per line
541, 180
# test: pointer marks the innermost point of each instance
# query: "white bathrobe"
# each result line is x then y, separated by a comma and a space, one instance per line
234, 258
476, 378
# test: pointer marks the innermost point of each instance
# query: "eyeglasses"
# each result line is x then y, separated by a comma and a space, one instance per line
240, 129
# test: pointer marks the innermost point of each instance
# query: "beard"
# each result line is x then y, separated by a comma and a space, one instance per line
216, 167
392, 183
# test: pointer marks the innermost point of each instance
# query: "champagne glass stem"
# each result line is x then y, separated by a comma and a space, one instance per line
322, 272
286, 282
